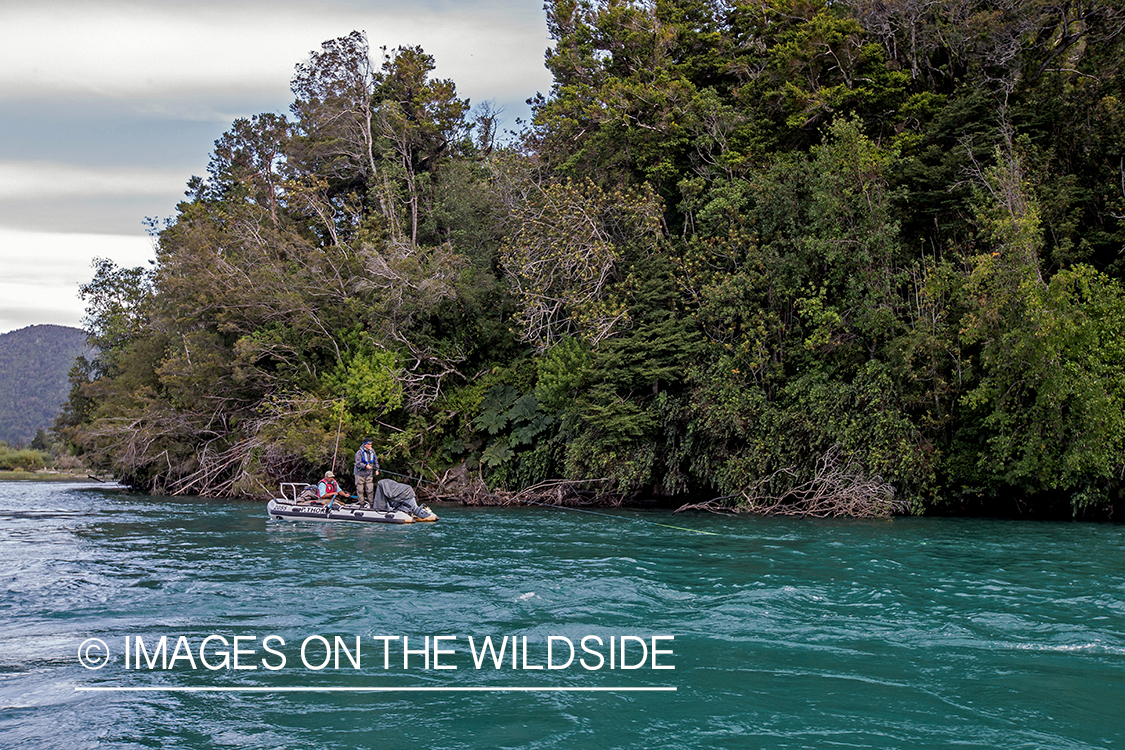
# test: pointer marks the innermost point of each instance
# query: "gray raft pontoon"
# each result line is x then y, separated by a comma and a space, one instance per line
287, 507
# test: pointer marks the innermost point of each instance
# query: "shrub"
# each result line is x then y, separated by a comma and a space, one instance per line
23, 459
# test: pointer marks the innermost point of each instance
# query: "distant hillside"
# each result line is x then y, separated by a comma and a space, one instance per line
34, 364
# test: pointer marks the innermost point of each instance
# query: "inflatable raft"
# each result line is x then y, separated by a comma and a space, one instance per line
289, 508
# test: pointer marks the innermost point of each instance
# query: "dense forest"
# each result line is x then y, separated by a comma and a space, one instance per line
788, 256
34, 363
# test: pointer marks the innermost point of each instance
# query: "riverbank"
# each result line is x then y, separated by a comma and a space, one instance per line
47, 475
562, 493
467, 494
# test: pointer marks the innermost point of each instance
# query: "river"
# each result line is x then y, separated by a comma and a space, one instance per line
761, 633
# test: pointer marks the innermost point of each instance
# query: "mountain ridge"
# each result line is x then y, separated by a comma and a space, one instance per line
35, 365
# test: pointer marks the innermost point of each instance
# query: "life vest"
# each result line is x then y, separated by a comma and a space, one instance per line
364, 457
327, 488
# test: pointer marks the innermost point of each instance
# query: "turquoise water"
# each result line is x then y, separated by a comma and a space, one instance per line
912, 633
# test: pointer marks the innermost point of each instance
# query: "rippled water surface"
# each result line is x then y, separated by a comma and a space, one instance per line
912, 633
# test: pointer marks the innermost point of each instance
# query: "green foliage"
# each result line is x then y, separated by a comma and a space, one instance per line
615, 427
24, 459
494, 415
518, 430
1050, 405
562, 371
118, 303
366, 380
740, 245
567, 256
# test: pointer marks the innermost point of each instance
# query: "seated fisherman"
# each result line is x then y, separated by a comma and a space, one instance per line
392, 495
327, 489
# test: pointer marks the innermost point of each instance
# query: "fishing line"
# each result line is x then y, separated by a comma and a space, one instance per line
403, 476
581, 510
626, 518
339, 427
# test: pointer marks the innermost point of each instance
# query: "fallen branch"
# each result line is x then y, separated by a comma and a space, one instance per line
839, 487
473, 491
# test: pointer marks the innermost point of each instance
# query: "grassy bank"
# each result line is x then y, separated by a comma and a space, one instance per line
47, 475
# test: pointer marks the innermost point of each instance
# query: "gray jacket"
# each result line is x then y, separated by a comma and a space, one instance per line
366, 462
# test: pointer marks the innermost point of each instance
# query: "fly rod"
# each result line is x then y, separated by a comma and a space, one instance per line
339, 427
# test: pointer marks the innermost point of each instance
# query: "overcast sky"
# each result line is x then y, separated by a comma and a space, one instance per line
108, 108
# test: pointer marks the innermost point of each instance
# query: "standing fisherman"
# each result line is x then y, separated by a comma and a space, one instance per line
366, 465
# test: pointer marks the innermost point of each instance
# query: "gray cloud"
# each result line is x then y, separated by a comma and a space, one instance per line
42, 273
109, 107
113, 215
30, 180
160, 50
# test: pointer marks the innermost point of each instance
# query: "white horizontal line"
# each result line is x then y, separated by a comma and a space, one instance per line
313, 689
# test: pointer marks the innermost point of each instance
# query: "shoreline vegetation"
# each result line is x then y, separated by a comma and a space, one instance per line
46, 475
813, 259
43, 457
